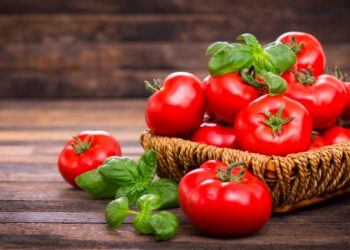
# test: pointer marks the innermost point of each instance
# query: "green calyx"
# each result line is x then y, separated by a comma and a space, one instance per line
305, 77
276, 121
294, 46
340, 74
82, 146
227, 176
155, 86
249, 76
273, 58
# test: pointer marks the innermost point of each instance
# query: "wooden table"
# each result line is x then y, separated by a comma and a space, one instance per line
39, 210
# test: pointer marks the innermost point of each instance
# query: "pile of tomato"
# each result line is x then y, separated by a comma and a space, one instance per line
227, 110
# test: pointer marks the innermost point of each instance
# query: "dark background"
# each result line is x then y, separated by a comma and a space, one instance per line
107, 48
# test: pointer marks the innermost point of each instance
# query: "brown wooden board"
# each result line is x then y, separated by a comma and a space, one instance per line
39, 210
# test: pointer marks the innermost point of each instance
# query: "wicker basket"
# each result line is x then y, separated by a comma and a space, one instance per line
295, 180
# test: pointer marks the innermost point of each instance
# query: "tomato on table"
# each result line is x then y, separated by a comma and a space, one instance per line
227, 94
274, 125
216, 135
224, 200
177, 106
84, 152
308, 50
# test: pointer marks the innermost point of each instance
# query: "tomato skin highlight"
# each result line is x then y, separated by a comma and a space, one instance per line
336, 134
227, 94
72, 165
325, 99
216, 135
177, 109
221, 208
311, 53
255, 136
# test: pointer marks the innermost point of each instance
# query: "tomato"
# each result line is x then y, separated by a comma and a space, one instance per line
346, 112
86, 151
216, 135
308, 49
324, 97
177, 108
274, 125
336, 134
317, 142
224, 202
227, 94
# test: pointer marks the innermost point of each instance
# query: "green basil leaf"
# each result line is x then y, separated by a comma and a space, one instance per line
94, 183
116, 211
141, 222
132, 192
277, 85
231, 58
165, 225
251, 41
149, 202
282, 57
167, 191
120, 170
215, 47
148, 165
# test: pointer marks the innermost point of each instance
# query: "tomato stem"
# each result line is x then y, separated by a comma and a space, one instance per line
314, 134
155, 86
294, 46
227, 176
249, 78
306, 78
340, 74
82, 146
276, 121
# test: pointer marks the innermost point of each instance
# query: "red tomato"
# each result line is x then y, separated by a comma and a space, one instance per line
274, 125
216, 135
177, 109
325, 98
86, 151
224, 206
228, 94
336, 134
308, 49
317, 142
346, 112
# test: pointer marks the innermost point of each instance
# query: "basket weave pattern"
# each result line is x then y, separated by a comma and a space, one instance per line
295, 180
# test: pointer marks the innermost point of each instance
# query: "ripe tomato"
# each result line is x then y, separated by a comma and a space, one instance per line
346, 112
336, 134
216, 135
308, 50
317, 142
86, 151
224, 202
274, 125
324, 97
178, 107
228, 94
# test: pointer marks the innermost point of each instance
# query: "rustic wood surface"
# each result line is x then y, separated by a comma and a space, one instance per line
39, 210
107, 48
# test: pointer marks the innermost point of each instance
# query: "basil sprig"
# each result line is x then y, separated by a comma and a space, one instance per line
163, 224
268, 61
122, 177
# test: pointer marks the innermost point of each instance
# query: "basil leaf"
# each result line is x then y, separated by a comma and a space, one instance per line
216, 47
120, 170
132, 192
165, 225
148, 165
149, 202
251, 41
277, 85
116, 211
141, 222
282, 57
94, 183
231, 58
167, 191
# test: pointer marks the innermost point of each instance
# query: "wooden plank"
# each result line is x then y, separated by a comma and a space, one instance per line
53, 29
136, 56
98, 235
154, 6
